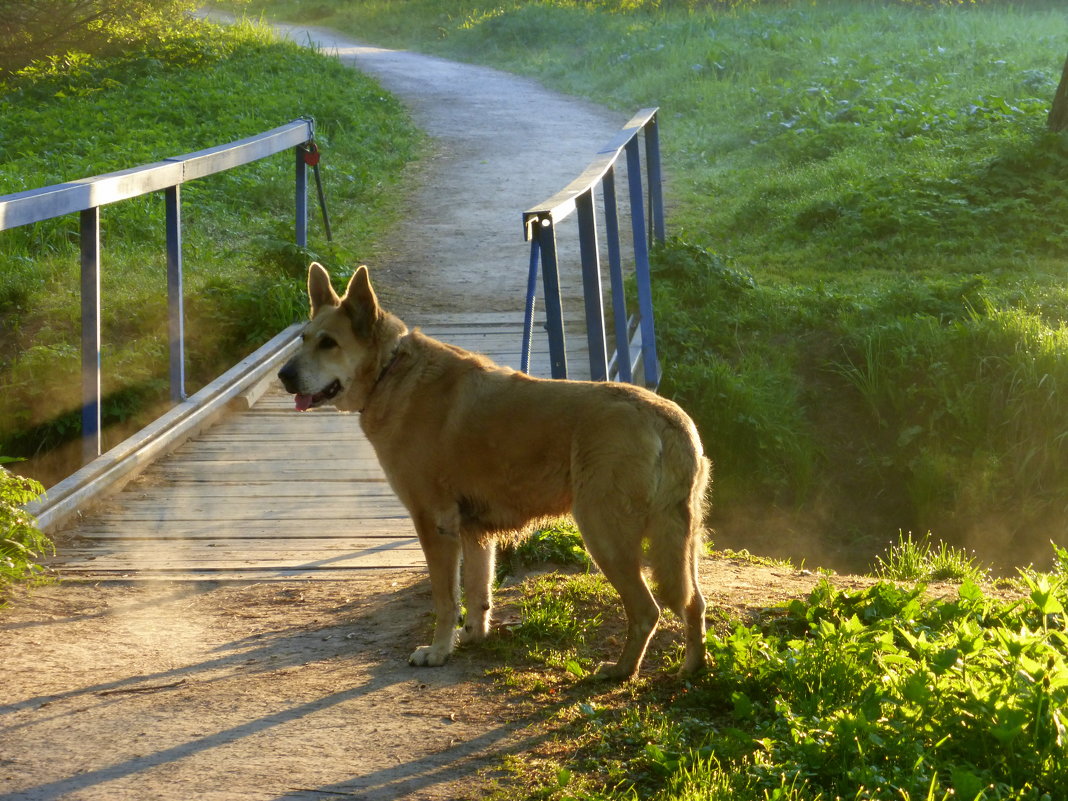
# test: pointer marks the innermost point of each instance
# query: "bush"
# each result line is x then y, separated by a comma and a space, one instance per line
21, 542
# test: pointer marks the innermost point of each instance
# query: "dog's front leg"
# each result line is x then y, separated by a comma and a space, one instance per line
441, 547
478, 575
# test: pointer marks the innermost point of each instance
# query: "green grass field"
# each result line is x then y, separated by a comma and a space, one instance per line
862, 300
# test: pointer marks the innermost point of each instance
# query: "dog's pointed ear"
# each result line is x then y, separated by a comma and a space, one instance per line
360, 301
320, 290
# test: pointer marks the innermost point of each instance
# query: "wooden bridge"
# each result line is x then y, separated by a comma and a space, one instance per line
234, 483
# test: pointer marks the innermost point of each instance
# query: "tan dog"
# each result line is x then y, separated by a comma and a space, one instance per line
475, 450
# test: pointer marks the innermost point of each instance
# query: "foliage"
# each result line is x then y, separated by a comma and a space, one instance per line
57, 30
21, 542
876, 693
242, 278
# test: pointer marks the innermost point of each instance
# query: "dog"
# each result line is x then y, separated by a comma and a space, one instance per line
476, 451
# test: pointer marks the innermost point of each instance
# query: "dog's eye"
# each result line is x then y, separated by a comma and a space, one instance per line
326, 343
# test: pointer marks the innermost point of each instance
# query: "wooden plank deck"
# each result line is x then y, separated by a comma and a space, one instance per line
271, 493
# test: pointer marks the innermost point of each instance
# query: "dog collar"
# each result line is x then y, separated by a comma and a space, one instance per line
382, 374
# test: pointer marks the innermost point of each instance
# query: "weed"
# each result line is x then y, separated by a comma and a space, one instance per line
918, 560
882, 692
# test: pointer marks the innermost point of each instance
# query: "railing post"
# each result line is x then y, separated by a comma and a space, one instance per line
90, 256
656, 191
615, 276
554, 311
650, 362
591, 286
175, 302
528, 309
301, 198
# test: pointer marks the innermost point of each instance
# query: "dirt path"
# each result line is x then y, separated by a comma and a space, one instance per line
302, 690
501, 145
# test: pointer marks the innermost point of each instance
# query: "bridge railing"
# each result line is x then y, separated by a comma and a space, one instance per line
634, 334
87, 195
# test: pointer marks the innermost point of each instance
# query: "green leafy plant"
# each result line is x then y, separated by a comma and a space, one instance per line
873, 693
21, 542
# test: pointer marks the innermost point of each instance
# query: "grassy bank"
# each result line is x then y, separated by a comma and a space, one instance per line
78, 116
862, 305
875, 690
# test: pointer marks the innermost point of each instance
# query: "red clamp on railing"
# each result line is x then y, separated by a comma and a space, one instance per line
311, 154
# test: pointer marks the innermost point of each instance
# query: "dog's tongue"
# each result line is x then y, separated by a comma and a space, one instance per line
304, 402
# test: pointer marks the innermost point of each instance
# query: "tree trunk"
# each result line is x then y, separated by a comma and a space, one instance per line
1058, 112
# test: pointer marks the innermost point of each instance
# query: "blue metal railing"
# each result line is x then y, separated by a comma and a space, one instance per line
87, 195
634, 334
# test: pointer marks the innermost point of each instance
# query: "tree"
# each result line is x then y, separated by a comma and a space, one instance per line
1058, 112
31, 30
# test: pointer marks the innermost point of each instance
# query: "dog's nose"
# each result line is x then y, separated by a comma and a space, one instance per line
288, 376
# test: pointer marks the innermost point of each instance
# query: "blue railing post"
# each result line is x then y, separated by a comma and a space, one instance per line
591, 286
650, 363
302, 198
528, 307
656, 191
175, 299
615, 276
86, 196
90, 258
554, 310
578, 198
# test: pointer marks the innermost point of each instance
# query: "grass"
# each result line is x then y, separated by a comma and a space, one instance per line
864, 294
885, 692
243, 275
919, 560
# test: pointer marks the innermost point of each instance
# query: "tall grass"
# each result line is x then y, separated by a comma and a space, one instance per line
204, 86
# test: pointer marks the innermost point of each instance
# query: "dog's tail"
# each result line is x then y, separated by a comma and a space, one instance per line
675, 532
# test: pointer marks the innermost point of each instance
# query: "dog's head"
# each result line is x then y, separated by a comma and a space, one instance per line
344, 347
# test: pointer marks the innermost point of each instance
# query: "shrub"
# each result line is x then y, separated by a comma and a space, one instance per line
35, 30
21, 542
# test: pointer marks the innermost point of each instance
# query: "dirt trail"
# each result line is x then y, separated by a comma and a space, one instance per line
301, 690
501, 144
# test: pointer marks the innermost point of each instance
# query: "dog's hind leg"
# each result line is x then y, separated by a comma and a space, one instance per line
674, 556
441, 547
675, 536
614, 542
478, 575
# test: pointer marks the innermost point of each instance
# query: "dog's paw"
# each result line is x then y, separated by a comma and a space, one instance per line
428, 656
611, 671
470, 634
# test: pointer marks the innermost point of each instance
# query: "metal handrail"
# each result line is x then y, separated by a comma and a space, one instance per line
87, 195
632, 332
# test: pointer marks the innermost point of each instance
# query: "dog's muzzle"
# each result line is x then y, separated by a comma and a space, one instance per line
290, 378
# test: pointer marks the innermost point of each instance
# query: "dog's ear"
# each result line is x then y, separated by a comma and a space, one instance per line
360, 302
320, 291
